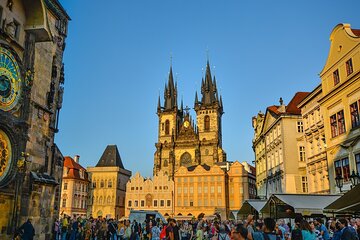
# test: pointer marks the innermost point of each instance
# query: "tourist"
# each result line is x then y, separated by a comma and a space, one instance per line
27, 230
223, 235
186, 232
239, 232
155, 231
315, 231
306, 231
321, 227
347, 232
64, 227
296, 233
268, 231
127, 234
120, 231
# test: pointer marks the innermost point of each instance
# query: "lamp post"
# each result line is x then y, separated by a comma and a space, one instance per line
355, 179
339, 181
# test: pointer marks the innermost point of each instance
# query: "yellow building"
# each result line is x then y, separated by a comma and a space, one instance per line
280, 149
340, 104
109, 178
75, 188
150, 194
315, 147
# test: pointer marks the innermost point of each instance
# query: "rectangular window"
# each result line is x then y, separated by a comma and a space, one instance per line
136, 203
129, 204
199, 202
342, 169
199, 189
349, 67
304, 184
341, 122
142, 203
302, 153
205, 189
185, 202
162, 203
168, 203
354, 113
357, 162
155, 203
333, 123
191, 190
212, 189
219, 202
336, 77
219, 189
64, 203
185, 190
337, 123
191, 203
206, 202
110, 184
300, 127
65, 186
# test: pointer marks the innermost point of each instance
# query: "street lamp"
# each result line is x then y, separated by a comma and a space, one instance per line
355, 179
339, 181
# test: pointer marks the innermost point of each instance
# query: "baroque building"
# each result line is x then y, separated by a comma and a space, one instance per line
109, 178
32, 42
181, 142
339, 103
150, 193
315, 144
75, 188
279, 148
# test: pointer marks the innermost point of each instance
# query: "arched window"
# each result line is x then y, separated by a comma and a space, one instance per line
207, 123
102, 183
100, 200
109, 184
185, 159
108, 199
167, 127
166, 163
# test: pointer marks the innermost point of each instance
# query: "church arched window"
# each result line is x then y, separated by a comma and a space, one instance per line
108, 199
185, 159
167, 127
207, 123
166, 163
102, 183
100, 200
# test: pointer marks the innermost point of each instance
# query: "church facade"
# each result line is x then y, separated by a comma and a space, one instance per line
191, 175
32, 43
183, 141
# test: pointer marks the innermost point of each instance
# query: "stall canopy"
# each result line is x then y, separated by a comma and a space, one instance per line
348, 203
286, 205
250, 205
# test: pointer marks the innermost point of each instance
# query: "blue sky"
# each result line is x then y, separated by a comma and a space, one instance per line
117, 60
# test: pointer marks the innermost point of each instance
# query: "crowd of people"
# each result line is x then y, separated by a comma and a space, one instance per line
100, 228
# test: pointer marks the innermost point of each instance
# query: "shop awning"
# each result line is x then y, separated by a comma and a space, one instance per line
306, 204
250, 205
347, 203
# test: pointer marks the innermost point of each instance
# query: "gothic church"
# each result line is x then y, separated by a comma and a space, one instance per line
181, 141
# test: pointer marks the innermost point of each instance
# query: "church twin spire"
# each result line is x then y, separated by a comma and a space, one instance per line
210, 96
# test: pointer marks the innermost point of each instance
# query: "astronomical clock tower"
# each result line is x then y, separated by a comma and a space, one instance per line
32, 41
183, 141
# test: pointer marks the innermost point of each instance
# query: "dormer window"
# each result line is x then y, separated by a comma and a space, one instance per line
336, 77
349, 67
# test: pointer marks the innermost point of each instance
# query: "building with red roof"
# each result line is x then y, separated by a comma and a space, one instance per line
75, 188
279, 148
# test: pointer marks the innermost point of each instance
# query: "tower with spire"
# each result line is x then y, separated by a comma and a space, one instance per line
170, 118
209, 111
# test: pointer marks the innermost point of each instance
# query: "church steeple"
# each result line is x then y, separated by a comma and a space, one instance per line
170, 93
210, 97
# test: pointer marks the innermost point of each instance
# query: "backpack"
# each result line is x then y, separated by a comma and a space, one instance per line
296, 234
163, 232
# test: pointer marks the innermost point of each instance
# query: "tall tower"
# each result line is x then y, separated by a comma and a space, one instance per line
170, 118
208, 115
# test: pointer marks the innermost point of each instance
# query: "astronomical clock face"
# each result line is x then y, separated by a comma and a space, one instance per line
5, 156
10, 81
186, 124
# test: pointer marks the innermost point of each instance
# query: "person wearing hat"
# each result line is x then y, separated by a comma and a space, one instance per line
27, 229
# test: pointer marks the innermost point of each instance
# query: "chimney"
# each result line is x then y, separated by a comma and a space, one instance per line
282, 107
76, 158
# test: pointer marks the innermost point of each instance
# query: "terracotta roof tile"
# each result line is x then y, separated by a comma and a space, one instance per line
356, 32
74, 169
292, 108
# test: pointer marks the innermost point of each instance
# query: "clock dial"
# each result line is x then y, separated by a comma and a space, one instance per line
5, 155
10, 81
186, 124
